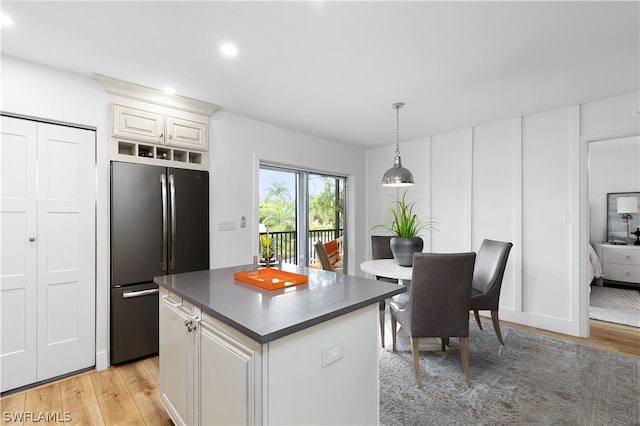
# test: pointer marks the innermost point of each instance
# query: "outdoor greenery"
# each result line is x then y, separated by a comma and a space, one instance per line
278, 210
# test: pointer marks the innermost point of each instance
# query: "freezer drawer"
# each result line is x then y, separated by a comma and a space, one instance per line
134, 322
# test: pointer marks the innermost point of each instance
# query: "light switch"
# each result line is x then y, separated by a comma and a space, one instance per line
226, 225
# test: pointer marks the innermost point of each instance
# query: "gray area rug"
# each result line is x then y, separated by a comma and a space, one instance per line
532, 380
617, 305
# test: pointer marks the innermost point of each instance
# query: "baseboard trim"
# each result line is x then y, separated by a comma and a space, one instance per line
102, 360
539, 321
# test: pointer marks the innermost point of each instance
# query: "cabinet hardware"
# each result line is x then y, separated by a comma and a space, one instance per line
165, 299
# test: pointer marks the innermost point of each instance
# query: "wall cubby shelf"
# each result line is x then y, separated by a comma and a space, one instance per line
134, 151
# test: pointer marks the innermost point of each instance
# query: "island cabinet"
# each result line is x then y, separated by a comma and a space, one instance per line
233, 353
208, 371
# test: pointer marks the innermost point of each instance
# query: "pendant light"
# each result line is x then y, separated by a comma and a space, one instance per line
397, 176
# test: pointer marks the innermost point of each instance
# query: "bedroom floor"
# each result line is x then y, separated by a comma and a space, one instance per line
616, 304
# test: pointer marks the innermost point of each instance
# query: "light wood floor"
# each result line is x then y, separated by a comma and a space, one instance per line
128, 394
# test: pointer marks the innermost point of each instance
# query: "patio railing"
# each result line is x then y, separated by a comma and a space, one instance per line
286, 247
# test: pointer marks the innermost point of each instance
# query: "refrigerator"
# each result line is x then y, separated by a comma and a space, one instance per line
159, 226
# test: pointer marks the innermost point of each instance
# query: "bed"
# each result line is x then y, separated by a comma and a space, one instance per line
595, 270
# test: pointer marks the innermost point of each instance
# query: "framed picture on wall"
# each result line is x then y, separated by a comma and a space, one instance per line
617, 222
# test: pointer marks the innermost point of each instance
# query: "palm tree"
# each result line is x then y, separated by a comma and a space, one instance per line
278, 191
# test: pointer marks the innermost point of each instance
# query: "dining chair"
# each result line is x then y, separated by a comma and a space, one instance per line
487, 280
323, 257
437, 305
381, 249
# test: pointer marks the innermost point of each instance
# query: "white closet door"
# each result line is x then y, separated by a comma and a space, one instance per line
18, 279
66, 250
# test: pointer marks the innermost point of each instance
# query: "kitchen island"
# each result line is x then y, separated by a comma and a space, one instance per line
235, 353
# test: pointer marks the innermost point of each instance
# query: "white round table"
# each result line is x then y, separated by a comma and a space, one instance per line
387, 268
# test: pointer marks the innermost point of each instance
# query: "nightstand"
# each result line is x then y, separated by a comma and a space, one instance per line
619, 262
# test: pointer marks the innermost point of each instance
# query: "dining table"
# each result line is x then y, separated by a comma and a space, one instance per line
388, 268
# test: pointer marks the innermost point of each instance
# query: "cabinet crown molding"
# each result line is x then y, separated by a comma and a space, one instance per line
122, 88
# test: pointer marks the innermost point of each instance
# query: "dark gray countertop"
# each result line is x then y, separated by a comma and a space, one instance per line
266, 315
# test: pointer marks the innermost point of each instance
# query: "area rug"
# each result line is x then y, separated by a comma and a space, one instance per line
617, 305
531, 380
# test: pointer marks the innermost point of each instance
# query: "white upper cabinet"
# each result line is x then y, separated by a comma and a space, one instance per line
187, 134
137, 124
151, 127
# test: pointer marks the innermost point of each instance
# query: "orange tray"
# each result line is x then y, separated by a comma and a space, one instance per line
271, 279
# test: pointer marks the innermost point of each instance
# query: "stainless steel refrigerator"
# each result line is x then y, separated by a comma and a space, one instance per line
159, 225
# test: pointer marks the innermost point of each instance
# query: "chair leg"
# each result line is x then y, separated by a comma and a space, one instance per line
393, 330
464, 354
382, 326
445, 342
415, 349
496, 325
475, 313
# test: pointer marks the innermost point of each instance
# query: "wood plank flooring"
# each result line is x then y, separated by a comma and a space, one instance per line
128, 394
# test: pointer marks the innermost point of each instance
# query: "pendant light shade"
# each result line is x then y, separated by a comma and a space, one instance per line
397, 176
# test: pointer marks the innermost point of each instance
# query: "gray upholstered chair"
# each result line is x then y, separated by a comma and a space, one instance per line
491, 262
438, 303
381, 249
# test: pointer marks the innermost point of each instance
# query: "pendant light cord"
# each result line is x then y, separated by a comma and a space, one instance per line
397, 130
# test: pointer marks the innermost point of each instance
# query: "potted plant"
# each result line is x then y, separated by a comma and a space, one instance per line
406, 228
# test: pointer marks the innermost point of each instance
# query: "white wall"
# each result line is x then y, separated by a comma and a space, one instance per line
614, 166
519, 180
238, 145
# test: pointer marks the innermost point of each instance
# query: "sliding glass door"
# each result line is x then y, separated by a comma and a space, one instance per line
299, 208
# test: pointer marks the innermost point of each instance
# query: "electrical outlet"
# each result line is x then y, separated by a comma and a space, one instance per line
332, 353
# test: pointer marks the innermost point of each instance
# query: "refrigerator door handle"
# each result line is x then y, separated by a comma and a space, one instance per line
139, 293
163, 183
172, 201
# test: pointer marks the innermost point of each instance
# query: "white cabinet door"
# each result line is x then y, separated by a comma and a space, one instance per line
175, 365
18, 281
66, 250
48, 251
138, 124
226, 376
187, 134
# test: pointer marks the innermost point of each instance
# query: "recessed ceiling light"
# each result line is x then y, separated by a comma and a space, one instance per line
169, 90
5, 20
228, 50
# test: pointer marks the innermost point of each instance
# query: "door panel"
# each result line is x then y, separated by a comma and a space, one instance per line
190, 249
226, 379
18, 282
66, 250
136, 223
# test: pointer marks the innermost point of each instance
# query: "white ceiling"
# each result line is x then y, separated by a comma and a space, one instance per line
333, 69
